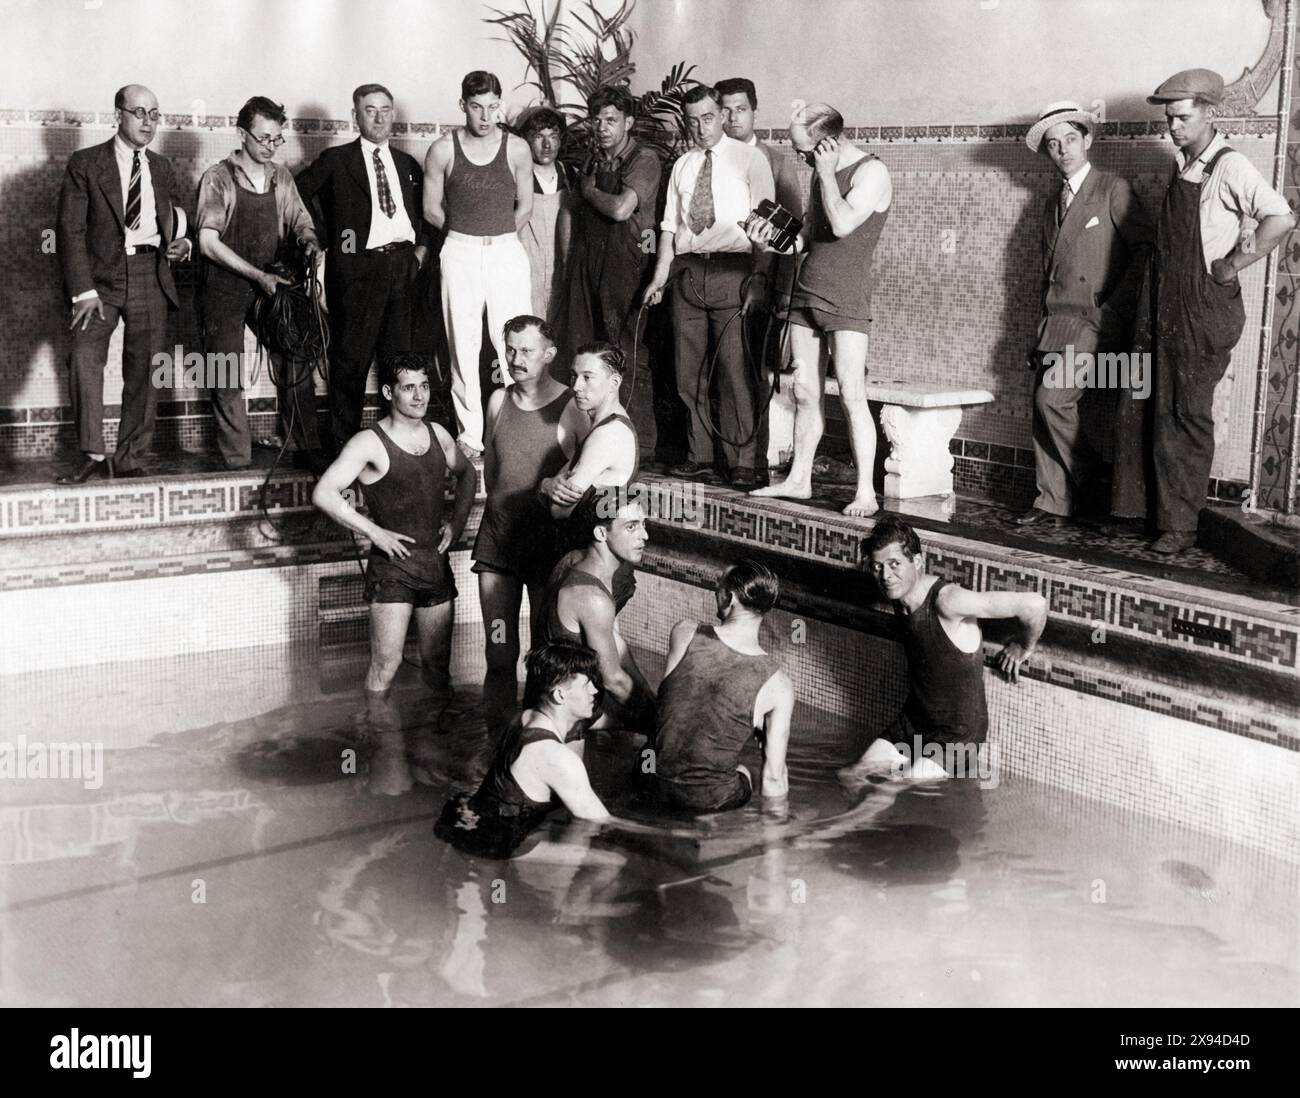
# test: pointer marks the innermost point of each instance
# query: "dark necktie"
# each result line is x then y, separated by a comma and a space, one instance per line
381, 185
133, 193
1063, 203
701, 212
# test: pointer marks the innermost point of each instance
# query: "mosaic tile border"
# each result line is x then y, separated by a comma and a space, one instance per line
1264, 635
1116, 129
1224, 716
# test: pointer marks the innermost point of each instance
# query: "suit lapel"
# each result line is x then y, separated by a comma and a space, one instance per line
356, 164
1077, 215
162, 199
111, 183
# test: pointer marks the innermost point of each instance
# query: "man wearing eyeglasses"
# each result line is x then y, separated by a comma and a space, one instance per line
247, 205
120, 226
366, 199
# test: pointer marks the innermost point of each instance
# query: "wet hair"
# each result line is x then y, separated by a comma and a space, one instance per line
479, 82
615, 360
369, 89
393, 365
820, 119
618, 96
739, 85
754, 585
260, 107
543, 118
600, 506
522, 323
555, 663
701, 92
891, 531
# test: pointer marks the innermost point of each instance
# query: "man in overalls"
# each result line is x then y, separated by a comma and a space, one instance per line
1197, 299
247, 205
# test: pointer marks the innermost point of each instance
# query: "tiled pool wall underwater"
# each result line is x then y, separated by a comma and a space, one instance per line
961, 251
1222, 765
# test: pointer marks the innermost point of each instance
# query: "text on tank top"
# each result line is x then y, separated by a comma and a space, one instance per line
480, 198
706, 710
408, 499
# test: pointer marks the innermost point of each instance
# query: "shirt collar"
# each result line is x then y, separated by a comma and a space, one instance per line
1076, 180
368, 147
122, 150
753, 140
1216, 143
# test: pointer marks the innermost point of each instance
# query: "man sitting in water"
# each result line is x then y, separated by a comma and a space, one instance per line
721, 688
579, 603
531, 769
533, 426
946, 714
402, 463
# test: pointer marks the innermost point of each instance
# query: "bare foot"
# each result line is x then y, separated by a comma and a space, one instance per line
786, 489
863, 505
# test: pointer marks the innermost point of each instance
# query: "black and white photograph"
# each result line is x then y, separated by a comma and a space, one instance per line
650, 503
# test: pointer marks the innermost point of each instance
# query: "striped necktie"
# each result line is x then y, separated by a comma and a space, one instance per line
386, 202
701, 215
133, 193
1063, 203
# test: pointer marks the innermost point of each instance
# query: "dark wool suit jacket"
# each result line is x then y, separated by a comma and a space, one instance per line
92, 223
336, 189
1092, 265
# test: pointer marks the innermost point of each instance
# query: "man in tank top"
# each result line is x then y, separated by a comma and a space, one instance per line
531, 770
533, 428
579, 603
402, 464
479, 189
720, 689
944, 721
830, 308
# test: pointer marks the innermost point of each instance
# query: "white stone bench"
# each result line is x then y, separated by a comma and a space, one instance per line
919, 421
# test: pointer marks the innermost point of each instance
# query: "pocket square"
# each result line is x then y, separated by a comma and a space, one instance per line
1094, 221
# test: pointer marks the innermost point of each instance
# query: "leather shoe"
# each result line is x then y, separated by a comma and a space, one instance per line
1035, 515
90, 468
744, 478
1173, 541
688, 469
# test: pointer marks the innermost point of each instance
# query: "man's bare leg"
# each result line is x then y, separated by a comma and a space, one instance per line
433, 624
850, 356
500, 597
809, 382
388, 625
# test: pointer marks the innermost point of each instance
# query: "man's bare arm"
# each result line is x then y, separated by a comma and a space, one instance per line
1026, 607
521, 162
361, 451
871, 189
435, 181
776, 735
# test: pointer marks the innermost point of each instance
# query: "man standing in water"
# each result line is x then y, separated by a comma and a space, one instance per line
402, 464
720, 688
946, 713
830, 308
533, 426
478, 186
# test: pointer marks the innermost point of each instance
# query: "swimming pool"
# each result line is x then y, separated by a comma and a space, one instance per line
229, 857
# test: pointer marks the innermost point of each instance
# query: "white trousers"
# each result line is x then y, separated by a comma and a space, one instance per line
477, 276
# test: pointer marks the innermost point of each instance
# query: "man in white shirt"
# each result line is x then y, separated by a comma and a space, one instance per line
120, 227
1199, 314
365, 198
708, 258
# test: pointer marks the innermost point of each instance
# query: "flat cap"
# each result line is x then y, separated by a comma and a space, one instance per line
1190, 84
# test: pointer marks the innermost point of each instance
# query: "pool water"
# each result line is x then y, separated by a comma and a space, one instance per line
253, 861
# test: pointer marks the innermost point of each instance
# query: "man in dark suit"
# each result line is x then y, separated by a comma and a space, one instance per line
366, 200
1095, 239
120, 226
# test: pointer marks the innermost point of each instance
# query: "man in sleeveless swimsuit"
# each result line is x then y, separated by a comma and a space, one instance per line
721, 687
830, 309
402, 464
531, 770
533, 427
946, 714
479, 189
247, 205
580, 606
1198, 310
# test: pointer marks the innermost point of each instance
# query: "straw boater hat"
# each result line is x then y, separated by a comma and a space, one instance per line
1056, 113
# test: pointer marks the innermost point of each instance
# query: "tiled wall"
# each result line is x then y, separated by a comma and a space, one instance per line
956, 274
